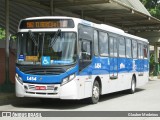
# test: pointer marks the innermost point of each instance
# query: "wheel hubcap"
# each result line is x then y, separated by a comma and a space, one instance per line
96, 92
133, 85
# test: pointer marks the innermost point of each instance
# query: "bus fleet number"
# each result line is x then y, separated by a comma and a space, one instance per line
97, 65
31, 78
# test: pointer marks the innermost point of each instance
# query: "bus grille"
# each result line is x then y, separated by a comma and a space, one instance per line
48, 87
42, 71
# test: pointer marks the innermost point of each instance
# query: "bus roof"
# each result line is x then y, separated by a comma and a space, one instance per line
48, 17
135, 37
91, 24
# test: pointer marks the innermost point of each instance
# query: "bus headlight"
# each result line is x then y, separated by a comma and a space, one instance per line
19, 78
68, 79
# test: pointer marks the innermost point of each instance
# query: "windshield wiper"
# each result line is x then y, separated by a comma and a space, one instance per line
32, 37
53, 40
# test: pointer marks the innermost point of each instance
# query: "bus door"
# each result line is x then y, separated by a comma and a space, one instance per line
141, 61
113, 71
85, 53
85, 35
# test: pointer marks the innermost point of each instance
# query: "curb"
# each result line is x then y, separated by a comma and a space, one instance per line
154, 78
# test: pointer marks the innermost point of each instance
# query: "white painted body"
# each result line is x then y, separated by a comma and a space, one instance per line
81, 86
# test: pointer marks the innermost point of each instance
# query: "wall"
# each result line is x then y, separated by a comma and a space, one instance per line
2, 64
12, 67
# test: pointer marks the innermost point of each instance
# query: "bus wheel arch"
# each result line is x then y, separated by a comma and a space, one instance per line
98, 79
96, 91
134, 75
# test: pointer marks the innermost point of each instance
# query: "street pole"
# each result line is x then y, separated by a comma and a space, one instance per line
7, 41
52, 8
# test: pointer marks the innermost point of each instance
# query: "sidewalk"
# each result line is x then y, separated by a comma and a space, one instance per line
154, 78
7, 97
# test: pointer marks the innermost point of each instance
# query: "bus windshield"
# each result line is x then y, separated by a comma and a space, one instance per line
54, 47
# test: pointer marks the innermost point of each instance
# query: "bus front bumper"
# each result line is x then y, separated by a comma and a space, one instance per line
66, 91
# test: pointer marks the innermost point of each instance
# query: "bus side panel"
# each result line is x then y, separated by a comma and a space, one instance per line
88, 89
69, 90
127, 67
123, 73
141, 80
84, 86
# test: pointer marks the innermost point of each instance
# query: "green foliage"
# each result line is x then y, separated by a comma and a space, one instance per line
152, 58
2, 34
152, 64
14, 38
153, 6
155, 12
143, 2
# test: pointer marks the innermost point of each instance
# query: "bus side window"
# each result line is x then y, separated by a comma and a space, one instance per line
95, 42
103, 44
145, 51
121, 47
113, 47
128, 48
140, 51
134, 48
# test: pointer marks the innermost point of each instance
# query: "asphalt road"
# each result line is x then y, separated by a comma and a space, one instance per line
146, 98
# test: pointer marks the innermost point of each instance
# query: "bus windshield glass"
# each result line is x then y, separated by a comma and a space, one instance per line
46, 48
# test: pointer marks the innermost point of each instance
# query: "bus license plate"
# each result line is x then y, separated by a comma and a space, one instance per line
40, 87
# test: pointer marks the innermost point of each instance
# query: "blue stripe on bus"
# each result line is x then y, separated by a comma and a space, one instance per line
123, 65
99, 66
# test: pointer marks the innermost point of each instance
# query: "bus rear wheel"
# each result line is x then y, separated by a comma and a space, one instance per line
95, 93
133, 86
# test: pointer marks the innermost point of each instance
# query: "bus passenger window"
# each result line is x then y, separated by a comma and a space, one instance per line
128, 48
95, 42
103, 44
145, 51
134, 48
140, 51
113, 47
121, 47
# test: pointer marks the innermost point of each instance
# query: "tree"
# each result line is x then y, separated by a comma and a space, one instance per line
153, 6
2, 34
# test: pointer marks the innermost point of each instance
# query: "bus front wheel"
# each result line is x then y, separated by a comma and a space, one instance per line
95, 93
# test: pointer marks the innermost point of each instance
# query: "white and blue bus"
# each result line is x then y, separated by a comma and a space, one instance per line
71, 58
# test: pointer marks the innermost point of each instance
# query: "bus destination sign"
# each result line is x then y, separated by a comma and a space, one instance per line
50, 23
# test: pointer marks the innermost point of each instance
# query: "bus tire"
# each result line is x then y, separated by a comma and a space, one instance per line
95, 93
133, 86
